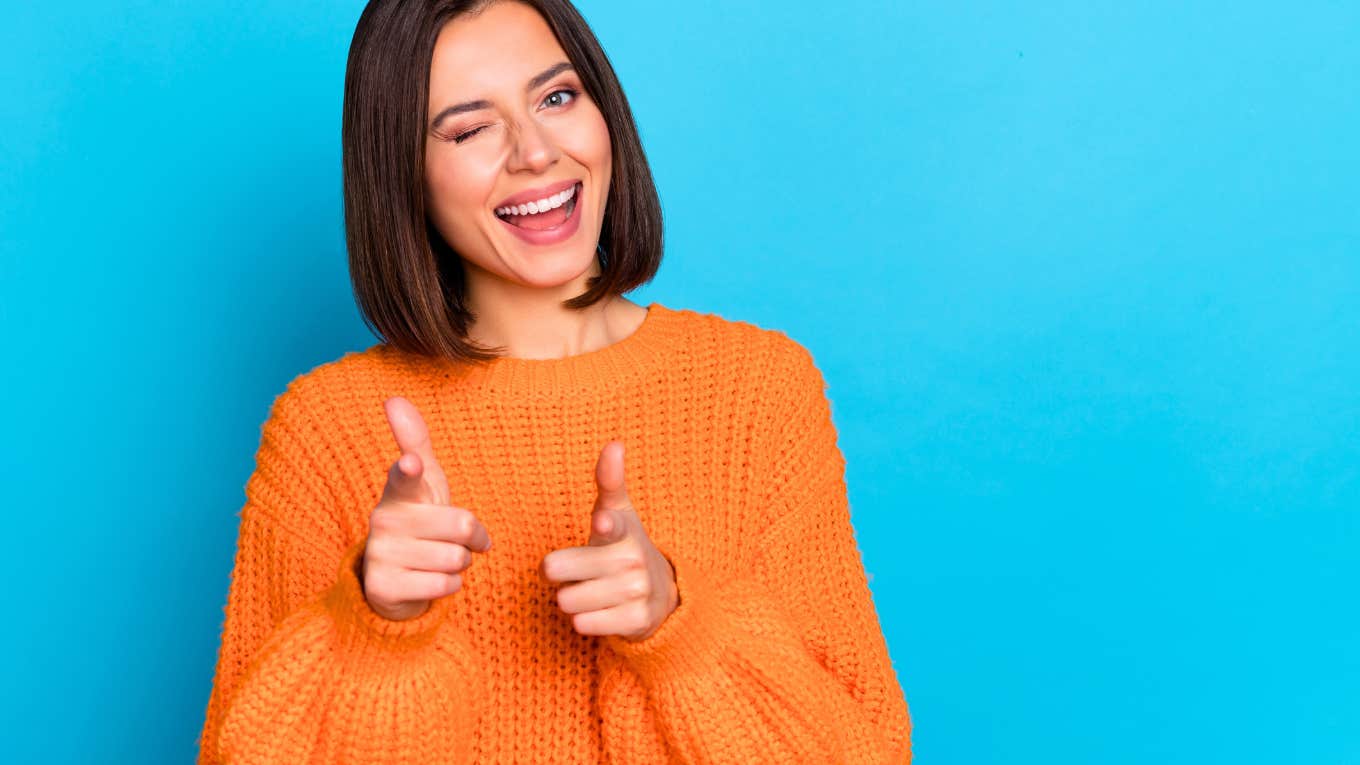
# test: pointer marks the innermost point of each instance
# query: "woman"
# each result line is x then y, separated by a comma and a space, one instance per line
706, 603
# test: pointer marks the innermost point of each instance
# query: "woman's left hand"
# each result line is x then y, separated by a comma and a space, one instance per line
620, 583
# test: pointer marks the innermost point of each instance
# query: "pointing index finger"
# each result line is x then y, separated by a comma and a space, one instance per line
411, 434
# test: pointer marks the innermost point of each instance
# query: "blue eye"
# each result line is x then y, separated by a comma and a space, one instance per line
560, 90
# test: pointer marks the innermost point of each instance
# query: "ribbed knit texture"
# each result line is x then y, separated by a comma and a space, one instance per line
774, 655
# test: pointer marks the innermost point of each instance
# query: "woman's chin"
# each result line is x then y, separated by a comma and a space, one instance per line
552, 268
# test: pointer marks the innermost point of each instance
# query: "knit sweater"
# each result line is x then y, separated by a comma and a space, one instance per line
773, 655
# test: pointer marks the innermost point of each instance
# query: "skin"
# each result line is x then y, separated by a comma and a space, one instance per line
618, 583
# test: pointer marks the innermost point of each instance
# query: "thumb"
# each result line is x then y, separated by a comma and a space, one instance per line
610, 520
421, 480
406, 480
607, 527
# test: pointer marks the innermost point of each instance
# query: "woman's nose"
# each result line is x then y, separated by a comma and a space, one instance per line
532, 147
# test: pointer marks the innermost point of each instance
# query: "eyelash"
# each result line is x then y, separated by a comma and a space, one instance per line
464, 136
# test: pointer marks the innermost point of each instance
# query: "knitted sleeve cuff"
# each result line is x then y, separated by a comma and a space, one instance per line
687, 642
356, 620
335, 682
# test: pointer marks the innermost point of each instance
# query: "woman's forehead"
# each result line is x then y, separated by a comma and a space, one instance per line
505, 41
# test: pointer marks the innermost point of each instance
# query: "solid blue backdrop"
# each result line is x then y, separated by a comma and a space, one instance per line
1083, 277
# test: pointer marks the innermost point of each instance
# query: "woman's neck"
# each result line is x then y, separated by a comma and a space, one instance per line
543, 329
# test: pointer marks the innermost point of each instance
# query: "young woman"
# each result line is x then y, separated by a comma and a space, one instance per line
442, 556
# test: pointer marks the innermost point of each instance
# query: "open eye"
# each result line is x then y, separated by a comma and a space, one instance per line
569, 91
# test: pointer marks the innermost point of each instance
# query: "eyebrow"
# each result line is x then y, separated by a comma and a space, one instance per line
472, 106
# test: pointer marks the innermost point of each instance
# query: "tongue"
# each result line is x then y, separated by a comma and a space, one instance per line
541, 221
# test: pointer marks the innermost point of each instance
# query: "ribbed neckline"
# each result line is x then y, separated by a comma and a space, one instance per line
638, 354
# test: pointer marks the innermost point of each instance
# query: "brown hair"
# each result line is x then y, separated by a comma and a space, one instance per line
408, 283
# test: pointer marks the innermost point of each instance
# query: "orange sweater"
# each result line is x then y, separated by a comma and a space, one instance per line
774, 654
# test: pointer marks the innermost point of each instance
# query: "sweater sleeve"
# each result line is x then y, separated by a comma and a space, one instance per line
785, 661
306, 671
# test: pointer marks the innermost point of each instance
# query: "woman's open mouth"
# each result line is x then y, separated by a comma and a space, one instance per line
557, 212
556, 222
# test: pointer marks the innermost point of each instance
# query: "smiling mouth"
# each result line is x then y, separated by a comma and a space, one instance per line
548, 219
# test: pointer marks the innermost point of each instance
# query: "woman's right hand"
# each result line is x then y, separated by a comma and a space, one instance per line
418, 544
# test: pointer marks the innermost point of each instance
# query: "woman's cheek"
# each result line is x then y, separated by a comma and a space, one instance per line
447, 214
451, 198
596, 135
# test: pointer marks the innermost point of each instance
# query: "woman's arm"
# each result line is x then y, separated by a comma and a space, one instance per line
307, 672
786, 663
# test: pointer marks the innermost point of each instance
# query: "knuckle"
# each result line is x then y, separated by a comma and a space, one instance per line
639, 587
378, 521
377, 547
386, 518
459, 558
468, 526
377, 585
465, 524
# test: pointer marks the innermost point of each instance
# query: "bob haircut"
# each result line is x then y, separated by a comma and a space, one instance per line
409, 284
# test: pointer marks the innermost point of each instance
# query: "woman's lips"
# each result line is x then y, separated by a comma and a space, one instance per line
531, 195
559, 233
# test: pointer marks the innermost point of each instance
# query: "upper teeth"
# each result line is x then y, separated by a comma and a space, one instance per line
542, 205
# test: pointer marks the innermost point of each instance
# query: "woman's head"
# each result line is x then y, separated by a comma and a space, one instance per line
451, 108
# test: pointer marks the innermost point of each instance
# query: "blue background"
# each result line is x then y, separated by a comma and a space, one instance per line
1083, 277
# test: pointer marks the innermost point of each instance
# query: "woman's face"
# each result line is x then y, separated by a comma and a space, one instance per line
517, 131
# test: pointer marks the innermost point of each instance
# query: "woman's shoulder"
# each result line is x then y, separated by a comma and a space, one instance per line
350, 368
327, 391
752, 360
748, 340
